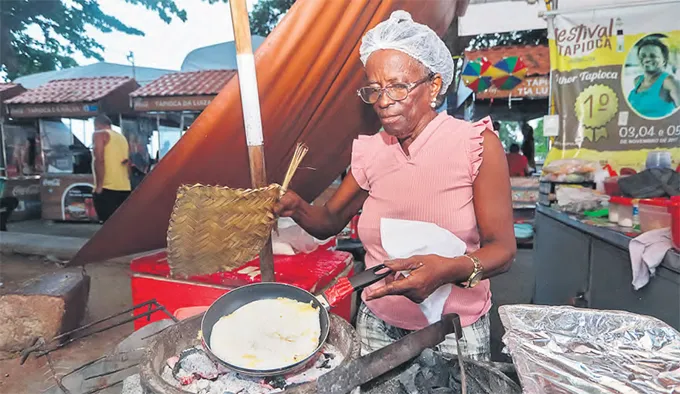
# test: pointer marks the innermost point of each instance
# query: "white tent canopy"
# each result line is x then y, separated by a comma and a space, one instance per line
499, 16
216, 57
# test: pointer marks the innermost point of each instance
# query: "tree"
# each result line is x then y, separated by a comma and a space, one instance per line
266, 14
509, 133
62, 25
526, 37
541, 147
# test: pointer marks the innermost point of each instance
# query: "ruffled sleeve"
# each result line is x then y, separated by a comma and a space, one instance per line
475, 147
360, 160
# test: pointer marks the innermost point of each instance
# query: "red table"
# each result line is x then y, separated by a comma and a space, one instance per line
313, 272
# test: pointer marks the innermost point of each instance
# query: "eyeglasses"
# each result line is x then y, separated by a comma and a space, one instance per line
397, 91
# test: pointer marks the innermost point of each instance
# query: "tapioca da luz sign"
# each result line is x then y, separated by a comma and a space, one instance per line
616, 80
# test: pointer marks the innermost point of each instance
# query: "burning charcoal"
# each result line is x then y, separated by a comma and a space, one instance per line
428, 358
183, 377
203, 385
167, 376
194, 362
435, 376
277, 382
132, 385
444, 390
172, 361
436, 370
407, 379
236, 383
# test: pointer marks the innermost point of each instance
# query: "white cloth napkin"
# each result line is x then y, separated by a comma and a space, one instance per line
406, 238
646, 253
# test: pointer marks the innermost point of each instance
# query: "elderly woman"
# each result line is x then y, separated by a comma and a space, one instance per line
424, 167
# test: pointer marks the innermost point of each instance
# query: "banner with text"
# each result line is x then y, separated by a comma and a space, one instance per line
616, 83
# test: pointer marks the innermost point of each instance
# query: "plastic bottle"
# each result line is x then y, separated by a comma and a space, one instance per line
636, 214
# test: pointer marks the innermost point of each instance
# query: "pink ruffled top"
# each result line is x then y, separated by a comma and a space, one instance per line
431, 184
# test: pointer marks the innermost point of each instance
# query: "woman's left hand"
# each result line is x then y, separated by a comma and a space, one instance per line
426, 274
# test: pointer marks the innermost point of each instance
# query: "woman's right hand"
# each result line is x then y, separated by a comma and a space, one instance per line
288, 205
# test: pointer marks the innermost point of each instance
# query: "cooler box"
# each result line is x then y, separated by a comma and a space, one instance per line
313, 272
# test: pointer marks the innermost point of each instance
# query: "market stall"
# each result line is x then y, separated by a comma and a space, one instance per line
7, 90
21, 160
173, 101
608, 226
60, 112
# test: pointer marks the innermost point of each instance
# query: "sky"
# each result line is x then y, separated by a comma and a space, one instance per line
164, 45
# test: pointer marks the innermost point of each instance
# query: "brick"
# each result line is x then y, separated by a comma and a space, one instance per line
43, 307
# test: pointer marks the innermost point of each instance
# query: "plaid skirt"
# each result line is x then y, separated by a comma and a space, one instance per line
375, 334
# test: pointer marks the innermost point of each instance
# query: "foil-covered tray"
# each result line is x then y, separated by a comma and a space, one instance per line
560, 349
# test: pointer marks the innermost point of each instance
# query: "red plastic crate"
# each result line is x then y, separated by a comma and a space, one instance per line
312, 272
674, 209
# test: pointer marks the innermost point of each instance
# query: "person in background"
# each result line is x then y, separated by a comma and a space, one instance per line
424, 167
139, 160
111, 168
517, 162
528, 144
7, 206
19, 156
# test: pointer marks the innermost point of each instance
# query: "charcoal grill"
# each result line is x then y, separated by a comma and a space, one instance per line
184, 335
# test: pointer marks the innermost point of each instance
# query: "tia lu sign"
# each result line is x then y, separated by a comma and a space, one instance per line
616, 77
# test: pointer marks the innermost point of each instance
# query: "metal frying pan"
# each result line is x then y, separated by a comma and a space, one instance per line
233, 300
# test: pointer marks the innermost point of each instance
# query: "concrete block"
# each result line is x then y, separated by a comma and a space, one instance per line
43, 307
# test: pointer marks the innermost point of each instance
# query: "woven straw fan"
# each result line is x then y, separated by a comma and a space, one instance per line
217, 228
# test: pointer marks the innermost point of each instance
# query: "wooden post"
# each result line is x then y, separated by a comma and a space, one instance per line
250, 103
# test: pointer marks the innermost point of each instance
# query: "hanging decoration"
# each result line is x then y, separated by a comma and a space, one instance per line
507, 73
474, 75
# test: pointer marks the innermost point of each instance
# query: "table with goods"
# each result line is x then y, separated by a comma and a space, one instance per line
525, 194
609, 241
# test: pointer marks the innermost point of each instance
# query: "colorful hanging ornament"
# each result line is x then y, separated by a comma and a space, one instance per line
473, 75
508, 73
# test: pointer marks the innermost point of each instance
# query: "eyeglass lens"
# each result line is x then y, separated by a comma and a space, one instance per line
395, 92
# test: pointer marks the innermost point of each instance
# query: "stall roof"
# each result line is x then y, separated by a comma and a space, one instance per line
9, 90
192, 90
190, 83
78, 97
142, 75
5, 87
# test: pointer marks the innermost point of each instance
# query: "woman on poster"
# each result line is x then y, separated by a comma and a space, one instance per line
656, 93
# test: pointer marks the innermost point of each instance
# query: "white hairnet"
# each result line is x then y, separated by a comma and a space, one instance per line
401, 33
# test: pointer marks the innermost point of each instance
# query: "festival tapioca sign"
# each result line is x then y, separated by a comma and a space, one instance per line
582, 39
616, 83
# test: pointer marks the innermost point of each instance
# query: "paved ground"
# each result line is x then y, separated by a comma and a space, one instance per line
48, 227
60, 241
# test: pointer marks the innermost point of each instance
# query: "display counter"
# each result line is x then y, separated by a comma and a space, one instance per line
68, 197
26, 190
588, 266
